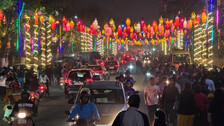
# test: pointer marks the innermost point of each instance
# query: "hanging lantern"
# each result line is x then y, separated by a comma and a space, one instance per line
154, 25
42, 19
111, 22
1, 14
36, 19
79, 22
122, 26
95, 24
138, 29
167, 25
198, 19
171, 22
53, 24
50, 18
204, 17
68, 26
4, 20
161, 20
177, 21
64, 21
128, 22
148, 27
72, 24
190, 24
119, 30
131, 29
193, 15
172, 28
185, 23
142, 23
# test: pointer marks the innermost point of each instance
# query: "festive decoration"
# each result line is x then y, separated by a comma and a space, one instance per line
49, 40
43, 43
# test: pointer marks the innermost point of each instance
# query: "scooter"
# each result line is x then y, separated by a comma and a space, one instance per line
75, 120
35, 97
23, 119
42, 90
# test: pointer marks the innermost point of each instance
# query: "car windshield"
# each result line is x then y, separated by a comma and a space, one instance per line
111, 62
107, 96
79, 75
95, 67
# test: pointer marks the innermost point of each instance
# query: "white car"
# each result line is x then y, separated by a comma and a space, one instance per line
110, 99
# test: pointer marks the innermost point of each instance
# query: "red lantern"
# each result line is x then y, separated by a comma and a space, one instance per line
128, 30
36, 18
177, 21
119, 30
142, 23
128, 22
1, 14
64, 21
198, 19
79, 22
68, 27
78, 28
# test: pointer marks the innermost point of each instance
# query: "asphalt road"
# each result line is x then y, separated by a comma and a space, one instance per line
51, 108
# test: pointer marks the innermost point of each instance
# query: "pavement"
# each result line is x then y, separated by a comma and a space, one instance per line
52, 108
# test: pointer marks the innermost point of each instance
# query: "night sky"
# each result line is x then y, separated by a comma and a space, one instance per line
119, 10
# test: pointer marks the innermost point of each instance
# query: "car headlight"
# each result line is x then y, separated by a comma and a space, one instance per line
144, 61
22, 115
149, 61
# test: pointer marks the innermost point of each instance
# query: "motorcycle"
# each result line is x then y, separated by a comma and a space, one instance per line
35, 97
42, 90
23, 119
75, 120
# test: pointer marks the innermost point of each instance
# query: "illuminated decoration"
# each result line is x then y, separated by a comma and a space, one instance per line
18, 24
49, 40
95, 24
204, 43
90, 42
197, 43
210, 34
166, 46
43, 43
35, 52
114, 48
27, 43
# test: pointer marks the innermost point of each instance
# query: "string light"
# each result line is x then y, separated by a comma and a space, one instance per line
210, 40
27, 43
43, 45
35, 52
49, 43
204, 44
197, 43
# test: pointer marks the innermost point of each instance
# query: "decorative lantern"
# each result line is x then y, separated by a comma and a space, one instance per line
95, 24
193, 15
198, 19
119, 30
36, 19
203, 16
1, 14
161, 20
177, 21
131, 29
185, 23
167, 24
138, 29
42, 19
72, 24
50, 19
142, 23
111, 22
68, 26
149, 27
128, 22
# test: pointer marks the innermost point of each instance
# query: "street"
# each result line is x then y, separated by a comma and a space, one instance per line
51, 108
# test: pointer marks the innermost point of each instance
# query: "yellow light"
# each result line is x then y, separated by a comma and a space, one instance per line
28, 45
43, 39
49, 43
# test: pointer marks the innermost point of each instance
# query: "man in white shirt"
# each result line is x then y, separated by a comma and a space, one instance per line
152, 96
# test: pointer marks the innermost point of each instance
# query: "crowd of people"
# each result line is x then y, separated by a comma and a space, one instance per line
188, 95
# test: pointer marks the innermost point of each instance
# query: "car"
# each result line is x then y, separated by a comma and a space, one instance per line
76, 78
109, 98
112, 66
146, 61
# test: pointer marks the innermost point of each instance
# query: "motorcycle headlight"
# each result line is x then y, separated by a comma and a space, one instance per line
148, 74
131, 66
144, 61
149, 61
22, 115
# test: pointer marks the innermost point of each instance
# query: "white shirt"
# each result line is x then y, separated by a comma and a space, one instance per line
2, 81
43, 79
132, 118
152, 95
211, 85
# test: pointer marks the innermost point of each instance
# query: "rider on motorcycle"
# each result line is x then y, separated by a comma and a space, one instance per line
86, 110
45, 80
128, 88
127, 76
24, 104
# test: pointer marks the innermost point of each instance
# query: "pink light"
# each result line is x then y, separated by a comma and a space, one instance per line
217, 15
25, 40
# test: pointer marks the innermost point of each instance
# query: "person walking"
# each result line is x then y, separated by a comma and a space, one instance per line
132, 116
186, 108
152, 96
2, 87
170, 94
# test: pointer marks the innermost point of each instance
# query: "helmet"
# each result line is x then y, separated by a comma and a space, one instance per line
85, 92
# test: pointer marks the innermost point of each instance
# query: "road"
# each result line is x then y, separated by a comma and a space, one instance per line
51, 109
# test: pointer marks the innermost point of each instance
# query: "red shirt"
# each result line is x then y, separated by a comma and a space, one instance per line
201, 101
